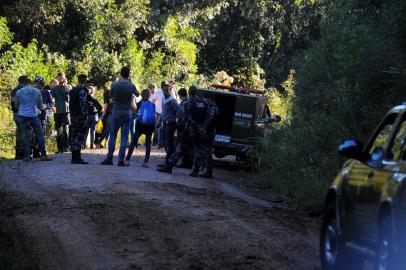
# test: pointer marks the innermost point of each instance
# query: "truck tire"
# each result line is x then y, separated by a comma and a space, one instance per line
333, 253
385, 257
253, 160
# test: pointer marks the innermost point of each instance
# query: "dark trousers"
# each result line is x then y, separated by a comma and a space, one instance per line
169, 129
19, 139
157, 133
25, 125
91, 122
134, 143
78, 128
182, 150
203, 152
62, 129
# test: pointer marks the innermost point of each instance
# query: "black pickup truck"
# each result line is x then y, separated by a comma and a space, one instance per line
244, 120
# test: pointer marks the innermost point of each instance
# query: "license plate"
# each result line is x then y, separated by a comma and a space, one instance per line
222, 138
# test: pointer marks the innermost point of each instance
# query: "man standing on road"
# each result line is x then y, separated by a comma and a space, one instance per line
61, 95
170, 111
45, 112
182, 125
19, 154
48, 104
197, 116
207, 132
78, 104
28, 100
123, 93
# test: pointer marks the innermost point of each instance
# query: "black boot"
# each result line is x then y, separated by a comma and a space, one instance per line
19, 155
195, 172
77, 158
166, 169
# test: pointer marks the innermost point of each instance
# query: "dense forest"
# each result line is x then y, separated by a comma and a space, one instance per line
332, 68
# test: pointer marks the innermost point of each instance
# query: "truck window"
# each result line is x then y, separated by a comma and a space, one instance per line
383, 133
398, 142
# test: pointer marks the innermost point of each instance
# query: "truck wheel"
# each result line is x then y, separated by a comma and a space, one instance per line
385, 258
253, 161
333, 254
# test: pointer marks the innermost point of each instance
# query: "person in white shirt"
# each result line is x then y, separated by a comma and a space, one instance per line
157, 100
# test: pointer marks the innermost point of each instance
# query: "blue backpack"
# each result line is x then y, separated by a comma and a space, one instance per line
146, 113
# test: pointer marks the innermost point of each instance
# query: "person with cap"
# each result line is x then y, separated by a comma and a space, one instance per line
182, 126
44, 113
123, 92
19, 150
94, 110
28, 100
207, 134
60, 93
79, 111
48, 104
170, 111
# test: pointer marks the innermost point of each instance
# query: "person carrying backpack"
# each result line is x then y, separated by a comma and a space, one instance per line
145, 125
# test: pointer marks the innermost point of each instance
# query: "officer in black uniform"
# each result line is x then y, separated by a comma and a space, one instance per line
197, 116
207, 133
78, 104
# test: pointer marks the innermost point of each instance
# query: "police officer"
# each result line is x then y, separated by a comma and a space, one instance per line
48, 104
44, 113
207, 133
197, 115
78, 104
170, 111
182, 126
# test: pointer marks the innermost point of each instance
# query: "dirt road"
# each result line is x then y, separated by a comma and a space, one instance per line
108, 217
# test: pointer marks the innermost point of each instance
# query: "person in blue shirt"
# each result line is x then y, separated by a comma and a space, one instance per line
48, 104
28, 101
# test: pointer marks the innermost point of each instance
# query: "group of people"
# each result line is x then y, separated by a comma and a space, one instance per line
186, 130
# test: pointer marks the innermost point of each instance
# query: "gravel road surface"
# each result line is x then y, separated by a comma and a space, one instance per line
109, 217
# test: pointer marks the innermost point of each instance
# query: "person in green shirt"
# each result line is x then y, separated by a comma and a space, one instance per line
60, 93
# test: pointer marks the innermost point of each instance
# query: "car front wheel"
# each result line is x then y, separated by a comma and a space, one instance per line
385, 258
333, 254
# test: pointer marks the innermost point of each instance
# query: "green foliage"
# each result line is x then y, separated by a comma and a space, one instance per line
7, 132
30, 60
133, 56
6, 37
344, 85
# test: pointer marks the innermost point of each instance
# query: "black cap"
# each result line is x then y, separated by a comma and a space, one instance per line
163, 84
182, 92
39, 79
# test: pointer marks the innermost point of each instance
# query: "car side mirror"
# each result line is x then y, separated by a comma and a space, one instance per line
352, 148
376, 157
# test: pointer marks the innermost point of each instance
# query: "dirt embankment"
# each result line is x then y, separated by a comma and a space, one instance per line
97, 217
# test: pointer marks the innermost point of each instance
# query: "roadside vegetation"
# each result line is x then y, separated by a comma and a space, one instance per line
333, 68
